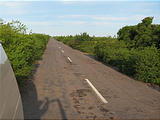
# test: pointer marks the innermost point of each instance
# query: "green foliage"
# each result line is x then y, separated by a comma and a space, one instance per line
21, 48
142, 35
148, 65
147, 21
135, 52
115, 53
141, 63
82, 42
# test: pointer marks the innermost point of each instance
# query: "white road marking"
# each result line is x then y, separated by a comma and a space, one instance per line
59, 47
96, 91
69, 60
62, 51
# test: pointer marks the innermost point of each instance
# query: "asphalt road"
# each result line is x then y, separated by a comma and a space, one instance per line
60, 89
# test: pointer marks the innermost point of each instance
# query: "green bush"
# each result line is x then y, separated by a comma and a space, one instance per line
21, 48
142, 63
143, 34
82, 42
148, 65
115, 53
135, 52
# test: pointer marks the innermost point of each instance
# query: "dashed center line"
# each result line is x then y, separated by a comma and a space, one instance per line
96, 91
59, 47
69, 59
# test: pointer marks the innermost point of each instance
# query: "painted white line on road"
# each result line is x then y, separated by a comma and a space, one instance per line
69, 60
62, 51
96, 91
59, 47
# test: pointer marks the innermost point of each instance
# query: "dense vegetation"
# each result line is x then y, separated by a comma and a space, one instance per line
82, 42
21, 48
135, 52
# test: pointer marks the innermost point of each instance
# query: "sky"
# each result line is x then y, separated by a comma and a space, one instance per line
64, 17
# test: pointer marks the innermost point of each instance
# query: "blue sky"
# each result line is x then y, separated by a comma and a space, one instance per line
63, 17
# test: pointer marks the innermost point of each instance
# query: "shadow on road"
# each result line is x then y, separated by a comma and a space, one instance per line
34, 108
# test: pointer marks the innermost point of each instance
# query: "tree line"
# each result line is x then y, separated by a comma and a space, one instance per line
135, 51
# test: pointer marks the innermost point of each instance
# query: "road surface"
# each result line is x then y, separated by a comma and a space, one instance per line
60, 89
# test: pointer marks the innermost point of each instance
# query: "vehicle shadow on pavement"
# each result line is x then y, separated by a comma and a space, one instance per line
34, 108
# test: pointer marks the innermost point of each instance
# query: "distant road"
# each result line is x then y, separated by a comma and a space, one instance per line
68, 84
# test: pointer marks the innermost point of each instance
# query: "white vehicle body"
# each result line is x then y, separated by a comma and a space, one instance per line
10, 99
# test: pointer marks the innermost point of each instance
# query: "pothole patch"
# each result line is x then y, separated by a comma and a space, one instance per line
80, 93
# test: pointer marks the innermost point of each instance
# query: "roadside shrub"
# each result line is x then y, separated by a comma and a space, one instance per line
135, 52
142, 63
21, 48
148, 65
115, 53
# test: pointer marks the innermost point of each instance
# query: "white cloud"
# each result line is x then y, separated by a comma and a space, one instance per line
39, 23
73, 16
76, 0
106, 18
109, 18
53, 23
13, 8
13, 4
78, 22
138, 17
95, 17
98, 0
100, 23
